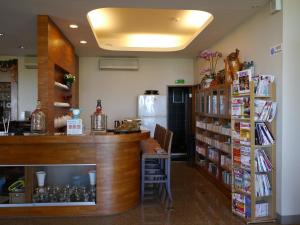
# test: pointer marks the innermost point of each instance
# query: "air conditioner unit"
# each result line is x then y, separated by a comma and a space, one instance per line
30, 63
118, 63
275, 6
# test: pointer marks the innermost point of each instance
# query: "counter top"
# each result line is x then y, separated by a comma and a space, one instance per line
80, 139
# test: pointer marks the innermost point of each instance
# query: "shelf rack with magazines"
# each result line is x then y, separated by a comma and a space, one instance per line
253, 103
213, 135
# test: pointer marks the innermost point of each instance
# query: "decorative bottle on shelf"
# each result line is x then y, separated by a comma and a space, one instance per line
98, 119
38, 120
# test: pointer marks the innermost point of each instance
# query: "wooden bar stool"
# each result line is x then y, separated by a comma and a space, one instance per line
160, 173
154, 143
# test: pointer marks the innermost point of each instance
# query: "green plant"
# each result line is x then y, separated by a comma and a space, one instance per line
69, 78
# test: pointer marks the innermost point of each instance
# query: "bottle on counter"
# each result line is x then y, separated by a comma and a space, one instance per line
38, 120
98, 119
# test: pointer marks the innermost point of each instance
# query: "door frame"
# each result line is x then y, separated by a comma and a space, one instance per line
183, 86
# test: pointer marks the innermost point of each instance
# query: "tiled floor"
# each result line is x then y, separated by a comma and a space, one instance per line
196, 202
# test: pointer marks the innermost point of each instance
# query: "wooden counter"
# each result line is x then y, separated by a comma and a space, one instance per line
117, 159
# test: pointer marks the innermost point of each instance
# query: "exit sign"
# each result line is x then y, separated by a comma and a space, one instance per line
180, 81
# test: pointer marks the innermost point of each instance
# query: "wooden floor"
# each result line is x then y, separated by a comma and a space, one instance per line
196, 202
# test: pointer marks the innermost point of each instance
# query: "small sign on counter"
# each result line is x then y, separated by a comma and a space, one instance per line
74, 127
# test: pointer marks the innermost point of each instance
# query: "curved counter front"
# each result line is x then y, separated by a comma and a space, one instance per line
116, 158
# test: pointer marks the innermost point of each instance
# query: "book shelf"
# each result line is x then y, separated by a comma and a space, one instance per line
253, 164
213, 135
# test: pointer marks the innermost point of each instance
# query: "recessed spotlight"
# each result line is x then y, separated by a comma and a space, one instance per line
21, 47
175, 19
73, 26
1, 34
83, 42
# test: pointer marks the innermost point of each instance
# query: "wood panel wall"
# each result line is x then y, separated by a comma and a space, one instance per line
56, 55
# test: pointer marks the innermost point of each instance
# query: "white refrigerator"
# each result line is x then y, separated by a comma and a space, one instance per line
152, 110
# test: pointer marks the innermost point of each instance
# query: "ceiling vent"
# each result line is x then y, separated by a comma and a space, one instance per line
30, 63
118, 63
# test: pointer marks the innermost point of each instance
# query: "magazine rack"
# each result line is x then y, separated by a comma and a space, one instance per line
248, 180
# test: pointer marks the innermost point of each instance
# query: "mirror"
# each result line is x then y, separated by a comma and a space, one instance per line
8, 89
18, 87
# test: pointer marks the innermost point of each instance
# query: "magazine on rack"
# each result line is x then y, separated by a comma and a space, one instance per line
240, 107
244, 77
262, 84
245, 133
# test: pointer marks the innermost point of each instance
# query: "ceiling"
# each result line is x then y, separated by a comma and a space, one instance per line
18, 23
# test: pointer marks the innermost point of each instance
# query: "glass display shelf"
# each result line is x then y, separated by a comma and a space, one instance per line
47, 185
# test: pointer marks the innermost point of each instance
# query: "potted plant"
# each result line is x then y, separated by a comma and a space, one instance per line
69, 79
210, 73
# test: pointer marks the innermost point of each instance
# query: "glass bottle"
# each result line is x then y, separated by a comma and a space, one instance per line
38, 120
98, 119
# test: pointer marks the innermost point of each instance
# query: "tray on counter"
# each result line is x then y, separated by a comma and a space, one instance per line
125, 131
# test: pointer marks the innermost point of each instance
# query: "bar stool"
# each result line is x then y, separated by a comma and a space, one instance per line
156, 163
157, 142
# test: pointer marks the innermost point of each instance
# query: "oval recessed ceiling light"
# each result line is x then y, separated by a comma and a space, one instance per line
83, 42
73, 26
21, 47
168, 30
1, 34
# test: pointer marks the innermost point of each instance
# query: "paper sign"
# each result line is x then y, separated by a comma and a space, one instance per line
74, 127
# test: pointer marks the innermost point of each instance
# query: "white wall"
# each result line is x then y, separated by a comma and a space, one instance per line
254, 39
27, 85
119, 89
291, 109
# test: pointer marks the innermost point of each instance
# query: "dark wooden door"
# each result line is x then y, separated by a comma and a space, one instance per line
180, 120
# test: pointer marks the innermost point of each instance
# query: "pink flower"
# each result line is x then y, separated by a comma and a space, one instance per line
206, 54
205, 71
212, 57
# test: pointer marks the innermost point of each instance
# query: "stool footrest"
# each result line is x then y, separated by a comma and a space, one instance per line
155, 181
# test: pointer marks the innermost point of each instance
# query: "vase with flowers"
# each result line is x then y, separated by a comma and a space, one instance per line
69, 79
212, 57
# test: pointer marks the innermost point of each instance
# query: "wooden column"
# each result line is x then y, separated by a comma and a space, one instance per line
56, 57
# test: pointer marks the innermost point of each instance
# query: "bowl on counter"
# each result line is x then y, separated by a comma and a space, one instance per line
2, 133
